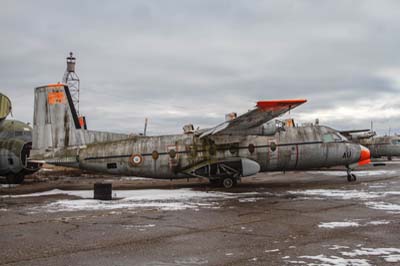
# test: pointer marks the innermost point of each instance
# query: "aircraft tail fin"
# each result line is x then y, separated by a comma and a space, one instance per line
55, 120
56, 125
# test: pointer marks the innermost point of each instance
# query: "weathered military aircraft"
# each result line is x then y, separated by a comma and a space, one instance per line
239, 147
15, 146
380, 146
387, 146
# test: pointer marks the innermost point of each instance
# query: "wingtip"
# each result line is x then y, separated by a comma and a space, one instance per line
270, 103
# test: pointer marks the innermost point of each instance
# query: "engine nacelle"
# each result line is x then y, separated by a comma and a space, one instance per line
272, 127
13, 160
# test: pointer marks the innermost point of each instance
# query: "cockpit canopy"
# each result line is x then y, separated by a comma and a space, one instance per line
333, 137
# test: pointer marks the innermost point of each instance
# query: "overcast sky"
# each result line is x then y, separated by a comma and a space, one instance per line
179, 62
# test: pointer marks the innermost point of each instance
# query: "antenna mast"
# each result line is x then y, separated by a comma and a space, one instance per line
72, 80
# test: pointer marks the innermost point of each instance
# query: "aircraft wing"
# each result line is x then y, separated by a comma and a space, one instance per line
262, 113
367, 133
346, 132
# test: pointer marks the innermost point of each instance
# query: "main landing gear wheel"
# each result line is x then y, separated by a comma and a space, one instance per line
228, 182
350, 176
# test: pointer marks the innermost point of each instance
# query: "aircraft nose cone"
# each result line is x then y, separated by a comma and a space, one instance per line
365, 156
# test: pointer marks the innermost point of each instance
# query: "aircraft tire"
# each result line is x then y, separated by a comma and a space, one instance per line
354, 177
349, 178
228, 182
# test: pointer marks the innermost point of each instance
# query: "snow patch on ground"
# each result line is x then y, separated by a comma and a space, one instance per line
391, 255
362, 195
249, 199
335, 261
392, 258
358, 173
391, 193
386, 206
338, 224
377, 186
181, 262
336, 247
164, 199
337, 193
388, 254
350, 223
77, 193
271, 250
381, 222
345, 194
141, 227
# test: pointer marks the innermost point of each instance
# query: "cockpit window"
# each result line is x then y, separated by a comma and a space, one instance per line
328, 138
333, 137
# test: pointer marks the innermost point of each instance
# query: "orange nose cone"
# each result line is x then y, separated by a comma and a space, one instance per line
365, 156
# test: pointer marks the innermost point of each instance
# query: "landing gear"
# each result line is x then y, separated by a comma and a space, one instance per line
229, 182
350, 176
226, 182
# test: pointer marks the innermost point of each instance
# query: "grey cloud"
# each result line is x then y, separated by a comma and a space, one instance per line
201, 59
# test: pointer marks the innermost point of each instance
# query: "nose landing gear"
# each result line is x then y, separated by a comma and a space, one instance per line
350, 176
226, 182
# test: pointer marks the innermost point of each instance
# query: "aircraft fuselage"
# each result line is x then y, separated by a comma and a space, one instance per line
174, 156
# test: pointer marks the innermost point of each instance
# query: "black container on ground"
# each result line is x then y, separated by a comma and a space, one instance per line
103, 191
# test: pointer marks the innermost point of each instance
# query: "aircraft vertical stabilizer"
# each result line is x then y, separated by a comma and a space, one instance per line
55, 121
56, 124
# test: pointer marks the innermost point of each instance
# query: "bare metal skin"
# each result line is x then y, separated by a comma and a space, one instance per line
244, 146
380, 146
15, 145
388, 146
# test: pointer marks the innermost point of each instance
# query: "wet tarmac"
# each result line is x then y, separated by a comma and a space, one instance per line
303, 218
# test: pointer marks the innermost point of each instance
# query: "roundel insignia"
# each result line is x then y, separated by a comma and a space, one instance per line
155, 155
136, 159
